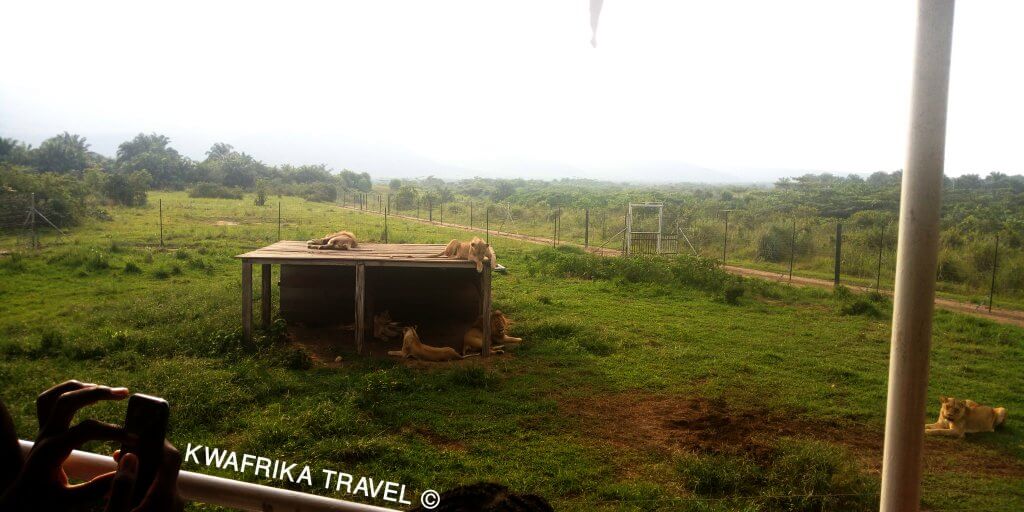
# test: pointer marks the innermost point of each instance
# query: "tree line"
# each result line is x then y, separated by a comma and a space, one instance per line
63, 169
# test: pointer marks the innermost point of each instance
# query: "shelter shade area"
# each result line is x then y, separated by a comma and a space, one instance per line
332, 289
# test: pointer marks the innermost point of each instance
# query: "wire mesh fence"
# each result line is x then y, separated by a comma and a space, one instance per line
975, 266
970, 264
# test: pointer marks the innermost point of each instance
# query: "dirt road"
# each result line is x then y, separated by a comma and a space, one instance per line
1003, 316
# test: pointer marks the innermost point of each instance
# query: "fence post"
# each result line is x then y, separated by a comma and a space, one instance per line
586, 228
725, 241
161, 202
32, 220
471, 214
839, 250
386, 208
430, 210
995, 264
279, 219
441, 212
792, 251
554, 231
878, 273
487, 222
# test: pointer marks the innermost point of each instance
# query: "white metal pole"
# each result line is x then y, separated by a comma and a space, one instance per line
916, 261
219, 491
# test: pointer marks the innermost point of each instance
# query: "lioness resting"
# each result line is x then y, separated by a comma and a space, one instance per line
384, 328
342, 240
474, 337
959, 417
413, 347
475, 250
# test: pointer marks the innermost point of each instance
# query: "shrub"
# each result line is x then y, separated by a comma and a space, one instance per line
126, 189
733, 292
320, 192
774, 244
214, 191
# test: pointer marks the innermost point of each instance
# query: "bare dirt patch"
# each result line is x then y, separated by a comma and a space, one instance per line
225, 223
687, 424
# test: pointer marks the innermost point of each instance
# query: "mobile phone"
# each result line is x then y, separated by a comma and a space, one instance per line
146, 420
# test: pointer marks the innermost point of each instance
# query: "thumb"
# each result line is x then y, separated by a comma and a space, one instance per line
123, 484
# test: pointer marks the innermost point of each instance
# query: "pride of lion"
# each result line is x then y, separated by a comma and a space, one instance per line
958, 417
385, 328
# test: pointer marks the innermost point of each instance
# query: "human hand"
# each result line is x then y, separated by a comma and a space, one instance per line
163, 493
42, 483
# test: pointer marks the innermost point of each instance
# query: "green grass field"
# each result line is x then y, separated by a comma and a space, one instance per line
625, 395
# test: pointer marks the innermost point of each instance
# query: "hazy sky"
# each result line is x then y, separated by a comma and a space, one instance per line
745, 89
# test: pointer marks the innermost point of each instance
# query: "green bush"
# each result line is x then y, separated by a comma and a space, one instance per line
214, 191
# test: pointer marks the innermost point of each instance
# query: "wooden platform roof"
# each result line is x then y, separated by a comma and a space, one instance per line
398, 255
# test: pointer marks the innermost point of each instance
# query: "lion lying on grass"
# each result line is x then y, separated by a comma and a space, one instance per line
959, 417
474, 337
342, 240
475, 250
413, 347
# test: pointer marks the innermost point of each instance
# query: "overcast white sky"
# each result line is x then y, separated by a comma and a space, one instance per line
745, 89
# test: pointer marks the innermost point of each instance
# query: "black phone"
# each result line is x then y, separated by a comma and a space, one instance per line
146, 420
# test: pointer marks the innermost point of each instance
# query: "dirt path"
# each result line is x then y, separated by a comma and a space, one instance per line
1003, 316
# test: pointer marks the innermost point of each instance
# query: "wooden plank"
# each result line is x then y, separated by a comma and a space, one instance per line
360, 306
485, 308
411, 263
266, 295
247, 301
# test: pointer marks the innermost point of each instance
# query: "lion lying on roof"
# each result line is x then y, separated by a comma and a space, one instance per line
475, 250
342, 240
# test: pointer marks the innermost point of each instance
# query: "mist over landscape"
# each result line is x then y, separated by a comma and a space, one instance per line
723, 92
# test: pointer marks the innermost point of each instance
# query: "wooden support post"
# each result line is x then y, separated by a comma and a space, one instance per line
246, 301
360, 306
266, 295
485, 308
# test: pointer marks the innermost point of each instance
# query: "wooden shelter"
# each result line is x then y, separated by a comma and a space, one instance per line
442, 296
